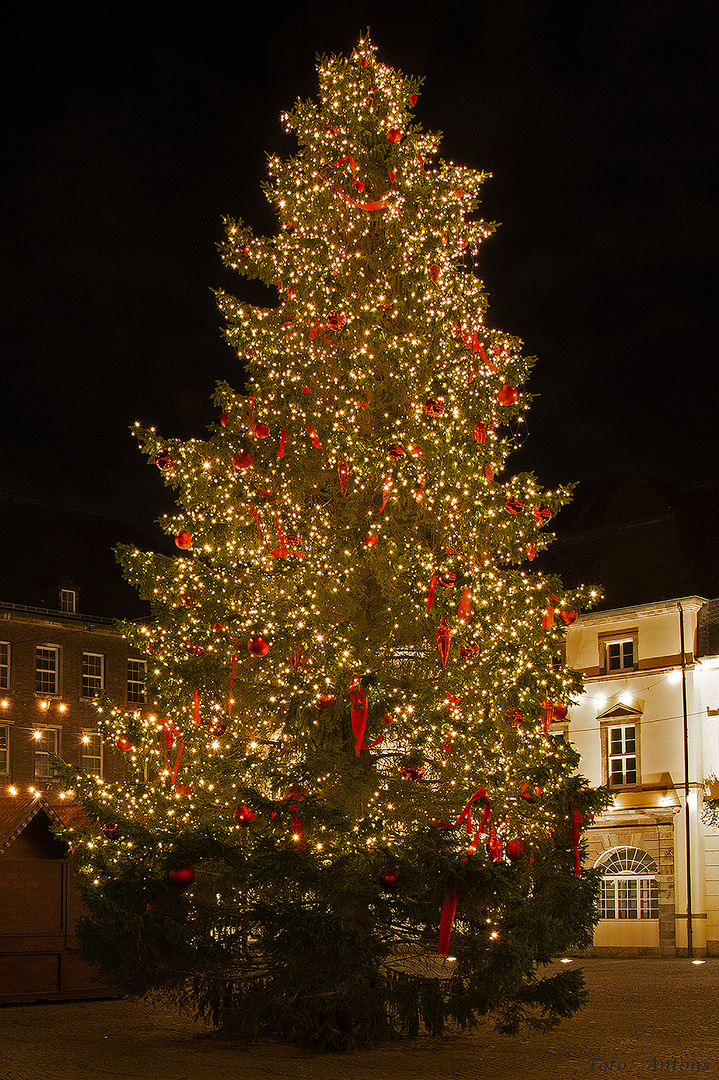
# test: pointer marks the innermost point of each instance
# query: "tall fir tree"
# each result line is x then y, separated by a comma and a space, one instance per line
347, 813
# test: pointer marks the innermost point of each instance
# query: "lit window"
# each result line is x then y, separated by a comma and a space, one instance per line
629, 887
91, 753
93, 674
68, 600
4, 748
46, 669
622, 755
136, 674
4, 665
46, 743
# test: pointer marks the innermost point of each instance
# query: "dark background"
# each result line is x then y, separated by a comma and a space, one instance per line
131, 129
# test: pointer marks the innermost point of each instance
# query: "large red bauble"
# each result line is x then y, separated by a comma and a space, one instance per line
164, 461
123, 743
394, 135
515, 849
184, 540
447, 580
434, 272
243, 815
507, 395
224, 418
259, 645
542, 514
568, 617
216, 728
560, 712
181, 879
323, 701
243, 460
369, 541
260, 431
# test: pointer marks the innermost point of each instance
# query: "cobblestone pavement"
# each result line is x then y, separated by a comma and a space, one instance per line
644, 1017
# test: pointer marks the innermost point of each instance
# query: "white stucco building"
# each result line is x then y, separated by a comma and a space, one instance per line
648, 727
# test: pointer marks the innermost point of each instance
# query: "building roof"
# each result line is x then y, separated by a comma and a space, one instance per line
638, 540
16, 813
44, 548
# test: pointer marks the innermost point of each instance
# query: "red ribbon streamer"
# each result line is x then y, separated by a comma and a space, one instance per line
298, 795
577, 820
232, 680
445, 923
281, 451
432, 587
196, 708
358, 714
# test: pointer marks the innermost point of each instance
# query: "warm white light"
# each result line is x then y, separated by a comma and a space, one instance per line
565, 960
44, 704
37, 735
62, 708
626, 697
674, 678
4, 704
698, 961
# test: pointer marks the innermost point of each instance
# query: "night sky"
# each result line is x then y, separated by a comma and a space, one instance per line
131, 129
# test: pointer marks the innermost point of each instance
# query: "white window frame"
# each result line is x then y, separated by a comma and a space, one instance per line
44, 691
99, 686
136, 696
91, 758
4, 665
620, 645
48, 744
68, 601
626, 752
5, 749
632, 890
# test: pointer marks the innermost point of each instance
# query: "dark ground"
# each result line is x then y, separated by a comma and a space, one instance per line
644, 1017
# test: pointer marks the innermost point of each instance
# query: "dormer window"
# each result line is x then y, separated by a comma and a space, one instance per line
618, 652
68, 601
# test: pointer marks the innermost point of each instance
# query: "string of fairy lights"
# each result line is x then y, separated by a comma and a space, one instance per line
347, 511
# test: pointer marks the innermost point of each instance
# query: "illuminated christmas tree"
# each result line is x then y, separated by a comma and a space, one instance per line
347, 812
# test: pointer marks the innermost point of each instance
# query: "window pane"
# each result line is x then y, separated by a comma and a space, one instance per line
629, 740
46, 671
92, 674
630, 771
136, 670
615, 746
44, 746
617, 775
627, 897
4, 665
91, 758
608, 899
614, 658
4, 749
628, 654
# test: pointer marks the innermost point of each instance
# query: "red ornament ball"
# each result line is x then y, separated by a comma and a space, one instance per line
184, 540
480, 432
516, 849
507, 395
530, 793
434, 407
123, 743
413, 100
389, 882
560, 711
181, 879
224, 418
434, 272
259, 645
243, 815
216, 729
323, 701
568, 617
369, 541
394, 135
242, 461
260, 431
164, 461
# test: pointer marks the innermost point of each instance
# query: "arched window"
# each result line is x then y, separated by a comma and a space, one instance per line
629, 885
